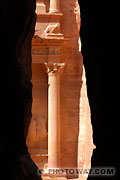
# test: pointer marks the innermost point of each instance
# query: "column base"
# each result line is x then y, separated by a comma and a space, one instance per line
53, 176
54, 11
58, 174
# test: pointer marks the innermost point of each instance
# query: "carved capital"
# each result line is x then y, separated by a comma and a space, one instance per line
53, 68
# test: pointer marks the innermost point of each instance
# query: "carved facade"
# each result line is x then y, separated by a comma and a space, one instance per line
60, 133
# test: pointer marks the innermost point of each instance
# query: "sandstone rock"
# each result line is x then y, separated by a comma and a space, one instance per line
60, 45
58, 41
18, 25
37, 131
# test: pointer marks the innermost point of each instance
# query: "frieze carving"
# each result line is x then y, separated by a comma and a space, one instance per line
53, 29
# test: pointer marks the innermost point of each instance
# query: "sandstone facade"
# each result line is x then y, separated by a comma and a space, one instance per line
57, 42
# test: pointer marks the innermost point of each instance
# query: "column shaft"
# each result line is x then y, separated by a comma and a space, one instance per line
54, 6
53, 120
54, 114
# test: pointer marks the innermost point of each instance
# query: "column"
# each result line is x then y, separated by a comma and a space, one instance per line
53, 71
54, 6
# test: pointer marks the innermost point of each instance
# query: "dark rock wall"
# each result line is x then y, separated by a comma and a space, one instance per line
17, 24
17, 19
100, 48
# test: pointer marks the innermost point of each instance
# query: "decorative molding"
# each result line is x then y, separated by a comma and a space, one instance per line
53, 28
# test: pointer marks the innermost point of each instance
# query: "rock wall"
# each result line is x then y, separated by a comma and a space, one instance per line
17, 28
61, 45
18, 22
71, 81
85, 145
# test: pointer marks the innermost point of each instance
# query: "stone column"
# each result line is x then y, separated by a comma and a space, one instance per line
54, 6
53, 114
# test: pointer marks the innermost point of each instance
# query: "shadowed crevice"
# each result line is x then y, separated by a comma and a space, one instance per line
17, 28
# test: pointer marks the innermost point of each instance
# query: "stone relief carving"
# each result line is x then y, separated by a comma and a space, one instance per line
52, 29
48, 29
37, 130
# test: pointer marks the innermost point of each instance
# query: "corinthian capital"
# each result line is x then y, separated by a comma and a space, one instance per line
54, 67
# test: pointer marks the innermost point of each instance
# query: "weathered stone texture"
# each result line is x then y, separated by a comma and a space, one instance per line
71, 80
17, 28
57, 40
85, 145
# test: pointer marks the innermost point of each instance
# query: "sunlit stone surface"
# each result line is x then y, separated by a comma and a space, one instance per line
60, 133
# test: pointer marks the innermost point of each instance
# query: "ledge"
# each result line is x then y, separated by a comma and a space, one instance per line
49, 15
49, 42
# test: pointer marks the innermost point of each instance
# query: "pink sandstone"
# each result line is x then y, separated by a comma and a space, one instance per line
57, 40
